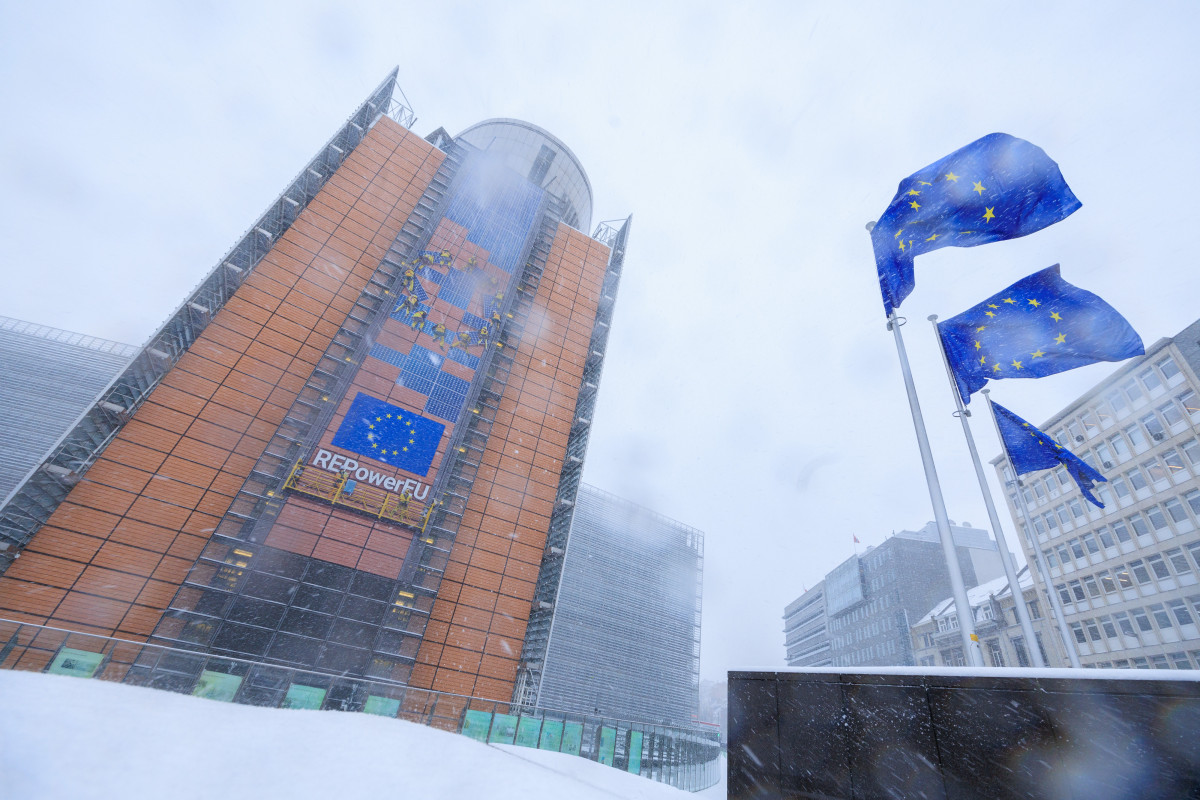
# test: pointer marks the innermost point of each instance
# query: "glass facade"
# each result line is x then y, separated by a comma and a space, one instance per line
625, 638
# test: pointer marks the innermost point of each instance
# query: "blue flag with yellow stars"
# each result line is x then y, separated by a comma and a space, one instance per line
1030, 450
390, 434
998, 187
1041, 325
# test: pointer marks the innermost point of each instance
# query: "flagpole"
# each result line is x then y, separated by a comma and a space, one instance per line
1005, 556
1055, 605
972, 652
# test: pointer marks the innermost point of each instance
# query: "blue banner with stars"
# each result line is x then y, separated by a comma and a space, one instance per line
390, 434
1030, 450
998, 187
1041, 325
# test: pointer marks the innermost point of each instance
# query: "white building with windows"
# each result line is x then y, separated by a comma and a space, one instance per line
1126, 574
937, 642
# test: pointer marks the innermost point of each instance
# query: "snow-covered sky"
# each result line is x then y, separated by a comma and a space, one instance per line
751, 389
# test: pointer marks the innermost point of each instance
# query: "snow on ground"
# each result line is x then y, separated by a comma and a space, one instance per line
69, 737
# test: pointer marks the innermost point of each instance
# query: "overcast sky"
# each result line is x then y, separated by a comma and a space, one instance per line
751, 389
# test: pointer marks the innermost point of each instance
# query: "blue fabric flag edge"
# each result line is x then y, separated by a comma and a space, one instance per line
1045, 453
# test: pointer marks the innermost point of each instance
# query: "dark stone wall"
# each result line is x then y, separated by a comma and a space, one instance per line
960, 736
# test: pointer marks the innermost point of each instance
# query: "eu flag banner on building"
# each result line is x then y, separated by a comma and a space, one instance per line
1041, 325
1030, 450
390, 434
998, 187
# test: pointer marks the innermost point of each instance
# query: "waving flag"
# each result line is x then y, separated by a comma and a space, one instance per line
1030, 450
1041, 325
998, 187
388, 433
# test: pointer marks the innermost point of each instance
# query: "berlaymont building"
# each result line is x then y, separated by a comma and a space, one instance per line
346, 450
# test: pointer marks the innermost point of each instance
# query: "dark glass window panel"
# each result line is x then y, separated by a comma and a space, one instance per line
255, 612
362, 609
352, 632
315, 599
348, 660
269, 587
306, 623
242, 639
328, 575
212, 603
278, 562
295, 649
372, 586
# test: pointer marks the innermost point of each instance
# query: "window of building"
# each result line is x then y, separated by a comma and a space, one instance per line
1110, 630
1076, 549
1179, 660
1074, 431
1178, 561
1143, 621
1139, 663
1089, 542
1051, 559
1119, 486
1076, 507
1191, 449
1159, 662
1093, 588
1136, 437
1063, 594
1077, 590
1160, 616
1106, 581
1150, 380
1119, 447
1176, 510
1170, 414
1035, 609
1153, 427
1168, 368
1189, 403
1051, 521
1121, 531
1180, 611
995, 653
1064, 479
1122, 575
1063, 516
1064, 555
1104, 455
1132, 390
1123, 622
1155, 470
1136, 479
1159, 567
1105, 536
1077, 630
1138, 524
1039, 491
1140, 574
1116, 400
1194, 549
1193, 500
1090, 426
1158, 521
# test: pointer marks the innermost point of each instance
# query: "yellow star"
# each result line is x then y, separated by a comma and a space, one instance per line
988, 214
902, 244
990, 313
1016, 364
924, 183
931, 238
913, 192
981, 328
389, 416
995, 367
1054, 316
405, 449
979, 187
914, 204
950, 176
395, 452
371, 427
1033, 302
379, 419
992, 305
374, 445
983, 359
978, 346
896, 235
1010, 301
1062, 337
1038, 354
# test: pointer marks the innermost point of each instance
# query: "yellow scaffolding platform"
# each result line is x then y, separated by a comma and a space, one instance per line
364, 498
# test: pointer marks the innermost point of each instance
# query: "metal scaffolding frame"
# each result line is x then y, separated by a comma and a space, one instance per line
30, 505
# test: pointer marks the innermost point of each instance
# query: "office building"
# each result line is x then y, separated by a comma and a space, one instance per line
1126, 573
50, 378
861, 613
937, 641
345, 450
621, 635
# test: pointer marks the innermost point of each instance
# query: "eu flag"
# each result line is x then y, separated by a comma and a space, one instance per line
1030, 450
1041, 325
390, 434
998, 187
